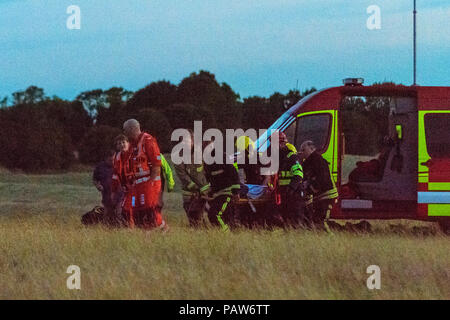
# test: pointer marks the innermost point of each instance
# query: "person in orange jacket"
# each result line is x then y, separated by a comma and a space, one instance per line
145, 166
121, 188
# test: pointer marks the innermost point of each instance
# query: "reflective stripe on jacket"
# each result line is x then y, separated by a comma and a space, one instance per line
290, 171
317, 173
167, 173
192, 178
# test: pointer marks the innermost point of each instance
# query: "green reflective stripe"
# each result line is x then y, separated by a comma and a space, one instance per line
298, 173
327, 217
219, 215
200, 169
422, 149
309, 200
439, 210
236, 166
290, 154
191, 185
297, 170
222, 193
236, 186
329, 211
225, 191
167, 173
286, 174
205, 187
398, 128
284, 182
327, 227
330, 194
439, 186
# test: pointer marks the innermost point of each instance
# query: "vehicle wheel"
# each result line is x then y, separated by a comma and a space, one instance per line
445, 226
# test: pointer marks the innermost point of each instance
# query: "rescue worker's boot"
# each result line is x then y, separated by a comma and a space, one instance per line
321, 214
194, 210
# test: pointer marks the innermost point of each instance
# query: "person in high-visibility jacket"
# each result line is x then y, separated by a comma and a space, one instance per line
145, 165
289, 185
166, 180
224, 180
194, 185
320, 185
167, 175
120, 182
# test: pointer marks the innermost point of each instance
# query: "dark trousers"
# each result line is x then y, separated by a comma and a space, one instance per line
221, 212
147, 218
266, 216
247, 218
161, 195
318, 214
291, 209
194, 210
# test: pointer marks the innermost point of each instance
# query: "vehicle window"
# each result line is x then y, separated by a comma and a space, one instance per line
315, 128
437, 133
263, 141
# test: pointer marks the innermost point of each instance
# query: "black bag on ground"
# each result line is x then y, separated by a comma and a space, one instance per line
95, 216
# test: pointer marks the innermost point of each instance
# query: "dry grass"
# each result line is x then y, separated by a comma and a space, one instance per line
41, 236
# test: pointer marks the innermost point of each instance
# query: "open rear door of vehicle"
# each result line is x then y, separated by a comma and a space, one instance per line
433, 195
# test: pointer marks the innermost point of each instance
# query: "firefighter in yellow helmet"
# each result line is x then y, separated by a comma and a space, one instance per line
289, 185
249, 171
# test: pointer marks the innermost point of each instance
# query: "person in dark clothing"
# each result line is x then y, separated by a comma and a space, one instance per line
289, 185
320, 185
194, 185
102, 179
224, 183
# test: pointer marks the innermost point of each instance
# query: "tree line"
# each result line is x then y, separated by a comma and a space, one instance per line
41, 133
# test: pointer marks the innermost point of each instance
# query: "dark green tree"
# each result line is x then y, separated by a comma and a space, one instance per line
156, 123
157, 95
97, 142
114, 111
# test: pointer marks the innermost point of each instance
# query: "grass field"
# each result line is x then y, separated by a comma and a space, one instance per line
41, 236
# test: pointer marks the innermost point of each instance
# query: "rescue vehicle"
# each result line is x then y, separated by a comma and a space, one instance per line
413, 178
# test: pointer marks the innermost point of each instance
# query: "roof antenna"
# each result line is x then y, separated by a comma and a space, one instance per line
415, 44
